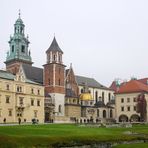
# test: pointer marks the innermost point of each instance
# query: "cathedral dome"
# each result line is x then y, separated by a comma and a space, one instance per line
86, 97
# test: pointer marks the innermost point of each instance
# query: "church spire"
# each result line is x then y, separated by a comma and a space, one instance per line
18, 43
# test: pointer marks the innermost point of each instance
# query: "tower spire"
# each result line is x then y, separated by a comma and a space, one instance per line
19, 13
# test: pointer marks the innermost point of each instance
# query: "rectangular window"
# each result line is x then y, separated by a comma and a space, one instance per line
128, 99
128, 108
122, 100
38, 102
21, 101
32, 102
7, 99
122, 108
10, 112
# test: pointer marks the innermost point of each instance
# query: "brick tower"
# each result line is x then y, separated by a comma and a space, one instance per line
54, 77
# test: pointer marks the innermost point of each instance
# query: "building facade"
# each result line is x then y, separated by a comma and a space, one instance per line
64, 98
20, 98
131, 102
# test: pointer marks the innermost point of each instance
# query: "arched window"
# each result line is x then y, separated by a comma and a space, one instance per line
82, 90
54, 57
104, 113
111, 113
96, 96
12, 48
60, 108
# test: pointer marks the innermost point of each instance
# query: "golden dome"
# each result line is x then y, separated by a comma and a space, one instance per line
86, 97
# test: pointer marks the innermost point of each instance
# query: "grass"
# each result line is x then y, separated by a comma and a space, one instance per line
65, 134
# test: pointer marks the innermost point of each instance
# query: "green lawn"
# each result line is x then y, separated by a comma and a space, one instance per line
65, 134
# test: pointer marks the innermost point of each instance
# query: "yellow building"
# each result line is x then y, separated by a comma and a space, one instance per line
20, 98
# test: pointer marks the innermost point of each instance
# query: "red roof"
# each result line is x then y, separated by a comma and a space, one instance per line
133, 86
144, 81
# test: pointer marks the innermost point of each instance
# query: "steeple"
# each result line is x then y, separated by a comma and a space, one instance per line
18, 43
54, 46
54, 53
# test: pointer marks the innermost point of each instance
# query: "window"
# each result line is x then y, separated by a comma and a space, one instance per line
97, 112
23, 49
109, 97
128, 99
122, 100
134, 108
19, 89
89, 91
134, 99
111, 113
60, 108
12, 48
122, 108
102, 96
21, 101
10, 112
54, 57
38, 92
104, 113
81, 90
128, 108
96, 96
32, 90
7, 87
38, 102
35, 114
7, 99
32, 102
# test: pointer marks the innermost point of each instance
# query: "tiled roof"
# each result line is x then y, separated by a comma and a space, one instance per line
54, 46
133, 86
113, 86
144, 81
90, 82
33, 73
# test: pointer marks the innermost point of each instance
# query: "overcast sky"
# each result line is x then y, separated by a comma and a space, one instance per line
103, 39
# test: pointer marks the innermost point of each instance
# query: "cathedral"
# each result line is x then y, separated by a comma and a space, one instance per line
52, 93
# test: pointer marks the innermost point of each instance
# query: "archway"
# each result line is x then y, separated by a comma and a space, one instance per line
123, 118
135, 118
